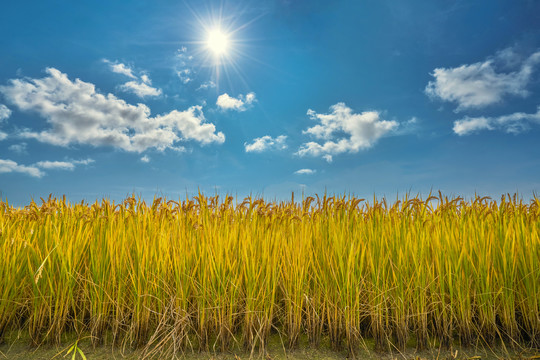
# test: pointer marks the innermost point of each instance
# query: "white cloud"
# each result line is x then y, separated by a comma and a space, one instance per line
78, 114
226, 102
145, 79
182, 55
120, 68
18, 148
84, 162
145, 159
187, 70
409, 127
343, 131
206, 85
62, 165
184, 68
328, 158
184, 75
305, 172
481, 84
55, 165
191, 126
512, 123
5, 113
9, 166
141, 89
35, 170
469, 125
250, 98
266, 143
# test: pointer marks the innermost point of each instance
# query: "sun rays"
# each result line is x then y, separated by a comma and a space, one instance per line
220, 43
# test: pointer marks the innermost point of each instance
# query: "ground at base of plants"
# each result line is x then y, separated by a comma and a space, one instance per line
19, 349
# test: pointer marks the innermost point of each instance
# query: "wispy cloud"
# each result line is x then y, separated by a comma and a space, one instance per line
184, 75
140, 86
36, 170
55, 165
512, 123
140, 89
483, 83
78, 114
305, 172
18, 148
187, 68
62, 165
184, 69
120, 68
146, 79
206, 85
226, 102
10, 166
83, 162
5, 113
145, 159
266, 143
343, 131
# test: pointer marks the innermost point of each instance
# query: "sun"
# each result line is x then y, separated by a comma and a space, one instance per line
220, 43
217, 42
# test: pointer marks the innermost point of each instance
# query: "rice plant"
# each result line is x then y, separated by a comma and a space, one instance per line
208, 274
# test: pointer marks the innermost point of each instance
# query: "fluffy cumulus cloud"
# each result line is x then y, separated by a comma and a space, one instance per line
241, 103
145, 159
3, 135
512, 123
483, 83
10, 166
305, 172
266, 143
342, 131
77, 114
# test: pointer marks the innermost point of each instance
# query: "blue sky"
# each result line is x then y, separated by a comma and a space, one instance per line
103, 99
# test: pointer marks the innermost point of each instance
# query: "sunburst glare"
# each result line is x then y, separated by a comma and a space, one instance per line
217, 42
221, 43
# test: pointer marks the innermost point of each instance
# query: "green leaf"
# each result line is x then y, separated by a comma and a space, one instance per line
70, 349
82, 354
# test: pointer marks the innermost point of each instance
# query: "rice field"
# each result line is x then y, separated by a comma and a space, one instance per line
211, 273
